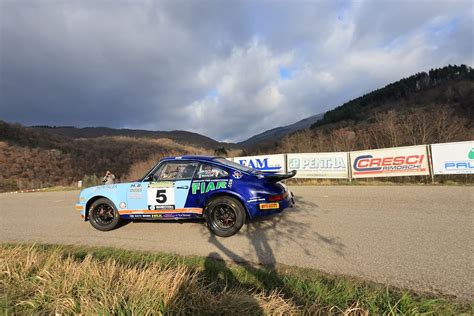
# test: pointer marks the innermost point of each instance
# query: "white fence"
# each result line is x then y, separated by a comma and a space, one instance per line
319, 165
453, 158
276, 163
447, 158
390, 162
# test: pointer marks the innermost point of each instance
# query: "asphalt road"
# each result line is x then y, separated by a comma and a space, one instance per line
417, 237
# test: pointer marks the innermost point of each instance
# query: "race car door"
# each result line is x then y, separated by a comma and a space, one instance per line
168, 194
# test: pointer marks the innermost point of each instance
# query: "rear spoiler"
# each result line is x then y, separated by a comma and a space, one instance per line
275, 177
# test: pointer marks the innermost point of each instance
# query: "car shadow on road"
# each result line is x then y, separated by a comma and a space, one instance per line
289, 229
293, 227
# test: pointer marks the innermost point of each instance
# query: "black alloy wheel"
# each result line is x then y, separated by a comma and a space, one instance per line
225, 216
103, 215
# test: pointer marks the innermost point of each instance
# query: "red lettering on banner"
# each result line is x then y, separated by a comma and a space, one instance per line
398, 161
359, 163
409, 159
375, 162
387, 161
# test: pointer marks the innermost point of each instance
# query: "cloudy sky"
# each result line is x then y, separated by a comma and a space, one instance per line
227, 69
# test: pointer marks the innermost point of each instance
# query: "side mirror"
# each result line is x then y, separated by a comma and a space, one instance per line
149, 178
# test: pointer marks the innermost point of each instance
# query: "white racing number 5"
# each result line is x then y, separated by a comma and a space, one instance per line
161, 198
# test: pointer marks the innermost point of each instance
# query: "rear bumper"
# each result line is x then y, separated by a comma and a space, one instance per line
263, 208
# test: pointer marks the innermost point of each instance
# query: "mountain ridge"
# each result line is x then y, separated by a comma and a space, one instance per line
281, 131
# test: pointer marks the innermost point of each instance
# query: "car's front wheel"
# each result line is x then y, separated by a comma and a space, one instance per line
103, 215
225, 216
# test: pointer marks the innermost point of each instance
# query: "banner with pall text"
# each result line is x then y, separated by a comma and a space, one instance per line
390, 162
453, 158
274, 163
319, 165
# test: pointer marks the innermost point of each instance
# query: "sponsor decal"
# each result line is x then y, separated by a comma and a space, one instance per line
161, 184
160, 207
317, 163
140, 215
237, 174
463, 165
264, 162
122, 205
259, 164
192, 210
453, 158
269, 206
368, 164
161, 195
135, 196
202, 187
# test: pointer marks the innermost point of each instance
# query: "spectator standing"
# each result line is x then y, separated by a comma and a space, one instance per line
109, 178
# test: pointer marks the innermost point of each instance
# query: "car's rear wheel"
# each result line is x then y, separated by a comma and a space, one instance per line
103, 215
225, 216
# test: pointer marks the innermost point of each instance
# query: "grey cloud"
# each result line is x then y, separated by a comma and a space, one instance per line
146, 64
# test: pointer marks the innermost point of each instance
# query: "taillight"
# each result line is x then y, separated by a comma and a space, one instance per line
278, 197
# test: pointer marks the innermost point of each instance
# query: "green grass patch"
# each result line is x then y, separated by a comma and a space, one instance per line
258, 289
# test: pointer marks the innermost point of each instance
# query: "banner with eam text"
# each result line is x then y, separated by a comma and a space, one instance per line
319, 165
453, 158
390, 162
275, 163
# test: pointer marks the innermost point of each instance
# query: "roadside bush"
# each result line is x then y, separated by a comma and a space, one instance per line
90, 181
8, 185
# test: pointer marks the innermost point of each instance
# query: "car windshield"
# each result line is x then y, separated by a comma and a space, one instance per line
235, 165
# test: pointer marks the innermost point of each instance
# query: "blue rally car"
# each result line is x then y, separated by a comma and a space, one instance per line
222, 192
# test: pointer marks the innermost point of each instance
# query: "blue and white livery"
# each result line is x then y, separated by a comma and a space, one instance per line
220, 191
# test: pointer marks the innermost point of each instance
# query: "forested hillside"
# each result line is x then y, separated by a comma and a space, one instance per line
33, 158
182, 137
432, 107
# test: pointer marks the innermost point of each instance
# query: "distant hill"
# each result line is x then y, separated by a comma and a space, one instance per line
46, 156
419, 89
183, 137
428, 107
280, 132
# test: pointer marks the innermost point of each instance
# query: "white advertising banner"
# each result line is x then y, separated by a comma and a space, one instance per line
390, 162
275, 163
319, 165
453, 158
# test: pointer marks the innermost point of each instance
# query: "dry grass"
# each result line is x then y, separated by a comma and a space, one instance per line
35, 281
47, 279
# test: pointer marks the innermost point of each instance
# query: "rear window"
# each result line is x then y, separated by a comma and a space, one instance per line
234, 165
208, 171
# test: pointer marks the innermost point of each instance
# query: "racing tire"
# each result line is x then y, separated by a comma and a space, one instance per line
103, 215
225, 216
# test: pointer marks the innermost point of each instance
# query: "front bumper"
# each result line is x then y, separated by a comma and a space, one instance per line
81, 208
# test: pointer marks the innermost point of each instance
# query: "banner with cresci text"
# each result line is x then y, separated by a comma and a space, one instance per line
390, 162
275, 163
319, 165
453, 158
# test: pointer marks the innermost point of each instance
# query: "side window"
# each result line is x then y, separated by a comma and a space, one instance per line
176, 171
208, 171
